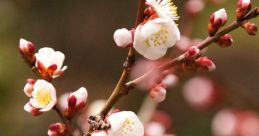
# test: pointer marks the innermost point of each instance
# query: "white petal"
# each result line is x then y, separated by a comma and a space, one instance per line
81, 95
125, 123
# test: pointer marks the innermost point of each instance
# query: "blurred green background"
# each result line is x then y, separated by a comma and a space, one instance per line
83, 30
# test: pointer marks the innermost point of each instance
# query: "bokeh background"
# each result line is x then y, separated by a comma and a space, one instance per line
83, 30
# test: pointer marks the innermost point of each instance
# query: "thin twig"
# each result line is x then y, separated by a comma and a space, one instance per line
120, 87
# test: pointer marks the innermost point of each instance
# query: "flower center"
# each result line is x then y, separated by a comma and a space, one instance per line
43, 97
126, 127
157, 39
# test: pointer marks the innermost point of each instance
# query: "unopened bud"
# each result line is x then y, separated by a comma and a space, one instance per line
225, 41
56, 129
27, 50
206, 63
243, 7
250, 28
158, 93
217, 20
193, 52
28, 88
78, 98
122, 37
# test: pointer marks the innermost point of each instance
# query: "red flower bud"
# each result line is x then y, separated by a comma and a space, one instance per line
250, 28
225, 41
206, 63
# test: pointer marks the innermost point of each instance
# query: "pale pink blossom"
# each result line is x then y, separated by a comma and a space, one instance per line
99, 133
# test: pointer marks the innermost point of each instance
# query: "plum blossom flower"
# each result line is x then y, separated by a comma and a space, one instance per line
217, 20
153, 38
122, 37
164, 8
49, 62
43, 97
243, 7
125, 123
99, 133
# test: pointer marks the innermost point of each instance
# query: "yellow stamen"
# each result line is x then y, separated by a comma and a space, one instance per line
43, 97
158, 39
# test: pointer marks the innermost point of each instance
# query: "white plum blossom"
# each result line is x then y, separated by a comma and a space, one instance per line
78, 98
153, 38
164, 8
43, 96
50, 62
125, 123
99, 133
122, 37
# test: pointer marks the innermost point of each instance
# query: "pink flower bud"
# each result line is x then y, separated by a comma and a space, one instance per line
217, 20
170, 80
206, 63
193, 53
57, 129
122, 37
194, 7
158, 93
250, 28
78, 98
29, 108
28, 88
225, 41
243, 7
27, 50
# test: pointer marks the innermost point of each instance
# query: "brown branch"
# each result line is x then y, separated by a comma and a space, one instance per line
206, 42
120, 87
